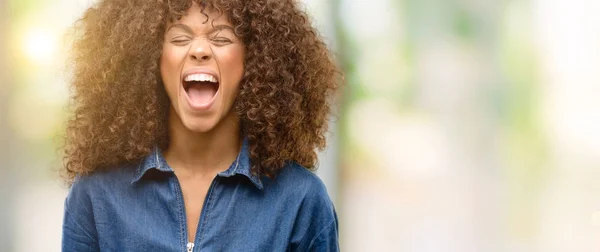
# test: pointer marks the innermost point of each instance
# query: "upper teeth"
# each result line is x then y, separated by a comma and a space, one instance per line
200, 77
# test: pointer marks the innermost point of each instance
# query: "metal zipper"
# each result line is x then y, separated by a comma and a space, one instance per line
190, 245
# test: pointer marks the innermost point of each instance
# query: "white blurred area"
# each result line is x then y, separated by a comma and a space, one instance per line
496, 150
569, 48
466, 126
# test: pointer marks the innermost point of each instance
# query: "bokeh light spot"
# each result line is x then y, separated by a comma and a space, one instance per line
39, 46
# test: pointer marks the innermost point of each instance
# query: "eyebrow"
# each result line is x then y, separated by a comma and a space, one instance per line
181, 26
189, 30
223, 27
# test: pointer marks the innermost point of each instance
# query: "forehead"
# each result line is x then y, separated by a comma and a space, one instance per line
203, 15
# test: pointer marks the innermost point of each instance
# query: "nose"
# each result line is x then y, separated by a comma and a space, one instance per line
201, 51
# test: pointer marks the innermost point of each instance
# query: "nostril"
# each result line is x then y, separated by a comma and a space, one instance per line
204, 57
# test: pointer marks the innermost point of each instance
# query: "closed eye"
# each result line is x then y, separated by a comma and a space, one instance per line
221, 40
180, 40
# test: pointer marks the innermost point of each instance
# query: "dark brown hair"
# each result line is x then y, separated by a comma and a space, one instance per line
120, 107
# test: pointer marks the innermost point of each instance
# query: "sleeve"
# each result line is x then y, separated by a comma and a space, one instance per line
79, 231
327, 239
316, 227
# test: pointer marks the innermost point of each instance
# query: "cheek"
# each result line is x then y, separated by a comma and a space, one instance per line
170, 62
232, 64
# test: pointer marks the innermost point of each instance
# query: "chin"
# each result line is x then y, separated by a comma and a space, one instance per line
199, 125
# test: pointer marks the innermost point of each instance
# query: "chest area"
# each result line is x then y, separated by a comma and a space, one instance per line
193, 192
164, 214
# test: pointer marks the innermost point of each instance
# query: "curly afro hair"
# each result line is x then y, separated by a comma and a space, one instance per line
120, 107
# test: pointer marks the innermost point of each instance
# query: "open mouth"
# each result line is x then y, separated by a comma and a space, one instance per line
201, 88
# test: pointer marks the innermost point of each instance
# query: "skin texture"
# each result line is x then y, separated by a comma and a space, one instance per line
195, 43
203, 141
123, 96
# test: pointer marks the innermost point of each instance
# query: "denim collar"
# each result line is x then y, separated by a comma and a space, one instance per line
241, 166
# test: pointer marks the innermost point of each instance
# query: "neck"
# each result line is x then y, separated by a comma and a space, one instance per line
203, 152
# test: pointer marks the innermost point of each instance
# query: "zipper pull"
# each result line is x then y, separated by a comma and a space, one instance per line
190, 246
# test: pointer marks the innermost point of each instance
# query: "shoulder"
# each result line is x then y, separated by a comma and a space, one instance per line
83, 201
301, 187
87, 187
303, 182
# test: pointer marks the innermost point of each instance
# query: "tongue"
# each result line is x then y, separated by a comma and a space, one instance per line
201, 93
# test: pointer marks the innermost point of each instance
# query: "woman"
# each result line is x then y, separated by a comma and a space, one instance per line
194, 126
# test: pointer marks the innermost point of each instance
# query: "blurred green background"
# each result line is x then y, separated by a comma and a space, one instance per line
464, 125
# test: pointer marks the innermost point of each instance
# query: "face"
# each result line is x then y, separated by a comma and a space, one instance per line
201, 66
